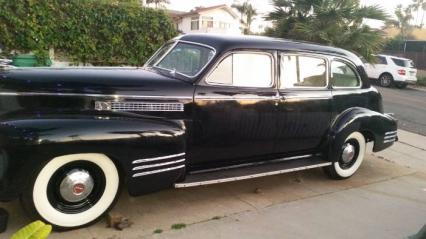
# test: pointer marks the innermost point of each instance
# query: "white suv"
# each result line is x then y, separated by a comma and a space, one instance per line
392, 70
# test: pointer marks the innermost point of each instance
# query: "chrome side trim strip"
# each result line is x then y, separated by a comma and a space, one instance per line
94, 95
389, 141
251, 164
261, 98
391, 132
223, 180
157, 171
157, 158
390, 136
236, 98
157, 165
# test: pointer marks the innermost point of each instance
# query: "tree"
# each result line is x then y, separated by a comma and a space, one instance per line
247, 15
157, 3
404, 17
331, 22
419, 6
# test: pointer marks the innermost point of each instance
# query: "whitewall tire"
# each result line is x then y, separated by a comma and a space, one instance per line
74, 190
351, 156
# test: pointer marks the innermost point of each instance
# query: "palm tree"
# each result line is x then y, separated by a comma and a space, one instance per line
404, 17
157, 2
251, 13
330, 22
418, 6
423, 14
247, 15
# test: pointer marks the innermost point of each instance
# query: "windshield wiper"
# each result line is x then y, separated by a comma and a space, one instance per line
169, 72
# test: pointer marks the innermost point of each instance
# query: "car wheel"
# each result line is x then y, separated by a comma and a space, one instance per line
351, 156
401, 85
385, 80
73, 190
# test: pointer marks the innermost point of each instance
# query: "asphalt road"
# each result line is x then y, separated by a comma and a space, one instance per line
409, 107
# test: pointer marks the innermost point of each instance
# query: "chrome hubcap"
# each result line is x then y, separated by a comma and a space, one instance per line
76, 186
348, 152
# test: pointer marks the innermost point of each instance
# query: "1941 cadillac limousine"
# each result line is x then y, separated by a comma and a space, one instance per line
204, 109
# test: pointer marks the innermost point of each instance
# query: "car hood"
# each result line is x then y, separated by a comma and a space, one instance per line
107, 81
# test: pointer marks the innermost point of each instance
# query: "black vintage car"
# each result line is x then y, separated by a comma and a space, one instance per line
205, 109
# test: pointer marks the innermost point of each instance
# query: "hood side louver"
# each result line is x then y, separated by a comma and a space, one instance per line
138, 106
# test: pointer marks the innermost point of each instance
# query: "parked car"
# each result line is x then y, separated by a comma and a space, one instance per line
5, 63
205, 109
392, 70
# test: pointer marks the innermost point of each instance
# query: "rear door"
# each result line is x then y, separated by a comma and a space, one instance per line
304, 109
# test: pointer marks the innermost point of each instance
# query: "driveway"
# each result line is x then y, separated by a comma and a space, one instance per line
408, 105
385, 199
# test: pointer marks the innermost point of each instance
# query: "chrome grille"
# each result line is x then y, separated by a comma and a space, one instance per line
138, 106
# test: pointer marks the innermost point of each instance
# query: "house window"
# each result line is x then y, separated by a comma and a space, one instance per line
195, 23
224, 25
207, 22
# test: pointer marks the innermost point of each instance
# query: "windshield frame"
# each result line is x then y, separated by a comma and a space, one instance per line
150, 64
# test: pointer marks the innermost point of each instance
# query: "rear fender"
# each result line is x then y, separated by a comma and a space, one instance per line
373, 125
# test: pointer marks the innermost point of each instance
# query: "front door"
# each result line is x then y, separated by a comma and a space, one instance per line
234, 112
304, 108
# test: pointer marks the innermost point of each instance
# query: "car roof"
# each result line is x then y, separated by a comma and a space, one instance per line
223, 43
396, 57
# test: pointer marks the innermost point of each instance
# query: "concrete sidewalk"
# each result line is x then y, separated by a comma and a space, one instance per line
385, 199
409, 151
391, 208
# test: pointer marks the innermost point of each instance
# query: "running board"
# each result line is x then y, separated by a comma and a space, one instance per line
235, 174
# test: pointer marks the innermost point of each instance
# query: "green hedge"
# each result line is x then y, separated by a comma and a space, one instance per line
87, 31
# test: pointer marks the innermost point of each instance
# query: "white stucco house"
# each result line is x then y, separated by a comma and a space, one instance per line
216, 19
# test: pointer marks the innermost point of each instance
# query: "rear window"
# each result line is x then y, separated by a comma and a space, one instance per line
402, 63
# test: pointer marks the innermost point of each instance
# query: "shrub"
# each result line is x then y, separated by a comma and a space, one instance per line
87, 31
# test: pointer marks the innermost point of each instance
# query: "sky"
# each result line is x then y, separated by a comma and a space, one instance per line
264, 6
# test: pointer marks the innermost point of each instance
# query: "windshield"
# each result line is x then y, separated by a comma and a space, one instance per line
159, 54
185, 58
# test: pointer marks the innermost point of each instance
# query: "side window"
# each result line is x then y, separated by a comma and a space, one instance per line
243, 69
381, 60
303, 71
342, 75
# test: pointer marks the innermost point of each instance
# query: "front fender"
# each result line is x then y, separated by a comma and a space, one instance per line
373, 125
30, 142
